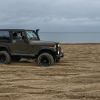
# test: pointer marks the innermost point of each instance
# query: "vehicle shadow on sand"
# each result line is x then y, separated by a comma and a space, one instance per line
24, 62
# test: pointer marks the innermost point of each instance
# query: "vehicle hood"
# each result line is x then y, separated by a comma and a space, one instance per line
40, 42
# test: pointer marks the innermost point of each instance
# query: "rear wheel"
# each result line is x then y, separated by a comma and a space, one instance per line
4, 57
45, 59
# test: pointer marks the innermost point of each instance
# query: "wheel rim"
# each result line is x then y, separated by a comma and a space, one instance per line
44, 61
2, 58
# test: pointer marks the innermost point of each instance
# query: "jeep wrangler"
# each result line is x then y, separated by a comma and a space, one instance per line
20, 43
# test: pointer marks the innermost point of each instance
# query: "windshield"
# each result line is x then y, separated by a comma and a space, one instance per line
31, 35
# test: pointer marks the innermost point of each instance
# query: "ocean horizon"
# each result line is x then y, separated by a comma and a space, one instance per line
71, 37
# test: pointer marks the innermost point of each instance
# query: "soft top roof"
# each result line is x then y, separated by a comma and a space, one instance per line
15, 29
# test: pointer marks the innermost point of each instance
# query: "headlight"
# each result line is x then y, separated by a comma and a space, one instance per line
58, 45
58, 52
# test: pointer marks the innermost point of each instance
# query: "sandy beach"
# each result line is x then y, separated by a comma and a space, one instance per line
76, 77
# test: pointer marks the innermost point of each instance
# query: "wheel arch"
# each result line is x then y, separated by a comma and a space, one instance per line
2, 48
46, 51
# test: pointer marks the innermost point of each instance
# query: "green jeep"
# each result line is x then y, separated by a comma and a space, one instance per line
19, 43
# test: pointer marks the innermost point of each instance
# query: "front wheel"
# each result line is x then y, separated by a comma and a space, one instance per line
45, 59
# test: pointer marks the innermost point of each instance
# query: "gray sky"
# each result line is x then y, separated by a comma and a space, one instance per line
51, 15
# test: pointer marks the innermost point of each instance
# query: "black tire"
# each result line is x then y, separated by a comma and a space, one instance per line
16, 58
45, 59
4, 57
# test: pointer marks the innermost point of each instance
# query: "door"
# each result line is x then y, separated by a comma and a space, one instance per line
19, 46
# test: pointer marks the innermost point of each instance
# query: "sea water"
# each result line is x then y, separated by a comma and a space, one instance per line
71, 37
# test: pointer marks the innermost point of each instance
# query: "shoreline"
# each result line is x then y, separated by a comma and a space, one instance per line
80, 43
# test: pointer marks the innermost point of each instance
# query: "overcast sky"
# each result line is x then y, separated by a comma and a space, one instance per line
51, 15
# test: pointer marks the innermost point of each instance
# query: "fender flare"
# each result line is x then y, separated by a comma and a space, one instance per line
51, 51
4, 48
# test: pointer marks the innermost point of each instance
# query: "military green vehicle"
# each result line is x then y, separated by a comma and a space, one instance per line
20, 43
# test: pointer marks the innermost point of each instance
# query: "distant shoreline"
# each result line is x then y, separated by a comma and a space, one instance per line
80, 43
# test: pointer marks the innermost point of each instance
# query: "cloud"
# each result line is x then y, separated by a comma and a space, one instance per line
51, 15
